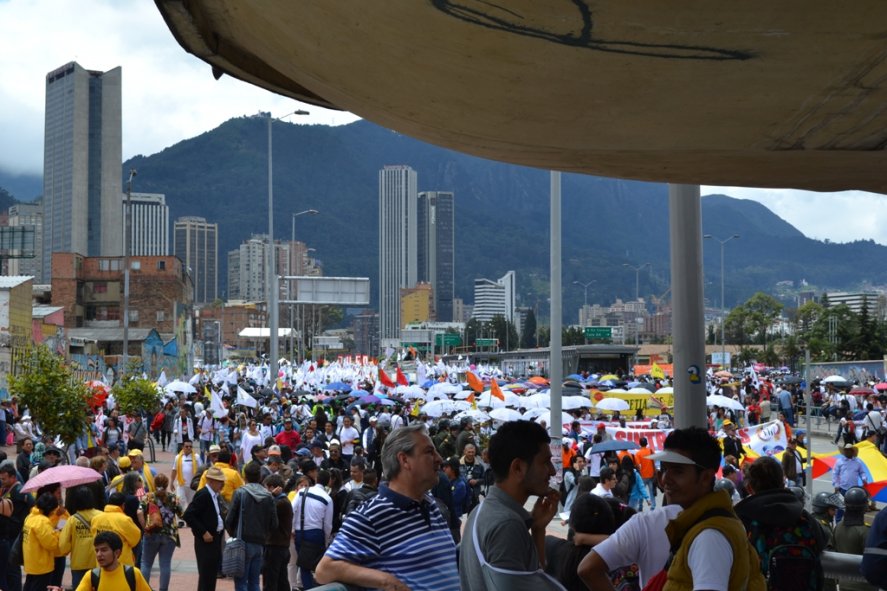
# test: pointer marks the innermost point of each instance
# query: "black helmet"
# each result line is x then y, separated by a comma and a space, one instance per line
725, 484
443, 424
822, 501
798, 492
856, 498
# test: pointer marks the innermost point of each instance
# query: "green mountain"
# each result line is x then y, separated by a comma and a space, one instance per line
502, 220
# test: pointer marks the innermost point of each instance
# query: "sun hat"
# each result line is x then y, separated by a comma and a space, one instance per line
214, 473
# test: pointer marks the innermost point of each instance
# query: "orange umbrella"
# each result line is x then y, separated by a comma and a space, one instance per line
538, 380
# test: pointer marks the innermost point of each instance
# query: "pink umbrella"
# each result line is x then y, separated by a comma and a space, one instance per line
881, 386
67, 476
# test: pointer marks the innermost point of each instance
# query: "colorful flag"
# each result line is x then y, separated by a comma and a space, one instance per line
386, 381
402, 379
415, 411
474, 382
495, 390
657, 372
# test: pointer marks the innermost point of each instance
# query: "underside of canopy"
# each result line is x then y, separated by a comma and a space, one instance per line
754, 93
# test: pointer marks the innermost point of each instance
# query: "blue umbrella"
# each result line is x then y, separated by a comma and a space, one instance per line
338, 386
575, 376
613, 445
369, 399
428, 384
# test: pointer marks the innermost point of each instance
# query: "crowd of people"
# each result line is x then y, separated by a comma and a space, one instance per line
321, 488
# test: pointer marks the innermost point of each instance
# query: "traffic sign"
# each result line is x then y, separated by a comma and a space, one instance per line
598, 332
487, 342
448, 339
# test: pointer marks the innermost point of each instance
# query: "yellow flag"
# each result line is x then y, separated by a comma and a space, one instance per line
415, 411
657, 372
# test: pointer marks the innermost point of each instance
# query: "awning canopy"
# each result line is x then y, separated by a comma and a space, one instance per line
263, 332
755, 93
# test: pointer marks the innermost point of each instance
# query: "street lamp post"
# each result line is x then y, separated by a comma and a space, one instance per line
127, 237
637, 293
723, 307
585, 300
273, 286
292, 272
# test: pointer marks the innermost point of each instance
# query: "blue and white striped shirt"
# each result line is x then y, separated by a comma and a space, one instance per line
398, 535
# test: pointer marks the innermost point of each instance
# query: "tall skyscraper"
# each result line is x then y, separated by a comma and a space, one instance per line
196, 244
28, 215
436, 252
150, 225
247, 270
397, 244
82, 154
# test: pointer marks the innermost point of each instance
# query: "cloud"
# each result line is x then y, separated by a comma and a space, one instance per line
168, 94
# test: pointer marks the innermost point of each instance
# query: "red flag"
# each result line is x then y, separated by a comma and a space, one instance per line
311, 368
383, 377
495, 390
474, 382
402, 379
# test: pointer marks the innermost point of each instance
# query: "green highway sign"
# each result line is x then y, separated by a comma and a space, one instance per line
487, 342
449, 339
598, 332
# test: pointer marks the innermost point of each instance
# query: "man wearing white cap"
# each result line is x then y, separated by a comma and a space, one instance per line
706, 532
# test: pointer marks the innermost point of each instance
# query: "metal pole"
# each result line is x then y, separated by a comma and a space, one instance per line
723, 313
685, 228
127, 232
556, 363
808, 443
272, 272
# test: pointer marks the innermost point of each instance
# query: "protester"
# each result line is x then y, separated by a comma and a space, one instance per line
186, 465
252, 517
497, 543
15, 507
40, 541
162, 512
204, 517
76, 537
113, 574
369, 549
312, 522
277, 549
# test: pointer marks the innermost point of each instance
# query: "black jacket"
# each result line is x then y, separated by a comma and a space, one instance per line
201, 515
259, 513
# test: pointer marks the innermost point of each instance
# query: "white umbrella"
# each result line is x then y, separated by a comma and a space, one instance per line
574, 402
463, 394
180, 386
639, 391
833, 379
618, 391
443, 388
546, 418
533, 413
612, 404
418, 394
413, 390
474, 414
436, 395
439, 407
535, 401
487, 400
505, 414
666, 390
723, 401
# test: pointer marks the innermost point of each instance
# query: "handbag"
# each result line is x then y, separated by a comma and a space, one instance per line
155, 520
16, 554
309, 553
234, 554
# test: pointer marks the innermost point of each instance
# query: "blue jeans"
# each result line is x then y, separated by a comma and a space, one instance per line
252, 569
650, 483
309, 535
152, 545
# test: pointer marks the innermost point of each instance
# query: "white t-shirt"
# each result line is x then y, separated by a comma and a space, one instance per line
642, 541
187, 469
710, 560
247, 442
347, 435
600, 491
594, 463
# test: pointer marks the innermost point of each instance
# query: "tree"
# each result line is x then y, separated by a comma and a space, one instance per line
48, 389
572, 335
504, 331
135, 395
762, 310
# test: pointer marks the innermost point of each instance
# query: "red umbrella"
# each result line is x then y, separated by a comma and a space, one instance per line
67, 476
881, 386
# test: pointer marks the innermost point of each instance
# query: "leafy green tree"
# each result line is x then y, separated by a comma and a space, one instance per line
472, 331
762, 310
47, 388
136, 395
572, 335
710, 336
505, 331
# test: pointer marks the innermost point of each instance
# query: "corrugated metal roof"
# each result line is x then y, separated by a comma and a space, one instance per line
10, 281
43, 311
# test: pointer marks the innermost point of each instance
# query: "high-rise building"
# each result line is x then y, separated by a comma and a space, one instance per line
435, 257
82, 153
495, 298
397, 244
196, 244
150, 225
416, 303
247, 270
27, 215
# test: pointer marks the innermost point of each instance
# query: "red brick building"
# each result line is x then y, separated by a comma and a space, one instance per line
90, 289
232, 319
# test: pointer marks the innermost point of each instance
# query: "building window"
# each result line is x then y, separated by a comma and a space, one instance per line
133, 316
161, 315
136, 265
161, 265
100, 287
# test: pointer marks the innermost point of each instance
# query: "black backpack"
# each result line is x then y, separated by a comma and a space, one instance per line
790, 556
128, 572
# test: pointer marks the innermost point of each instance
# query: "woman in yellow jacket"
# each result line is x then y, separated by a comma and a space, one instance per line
40, 542
76, 537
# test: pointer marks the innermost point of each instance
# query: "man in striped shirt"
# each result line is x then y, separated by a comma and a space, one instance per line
398, 540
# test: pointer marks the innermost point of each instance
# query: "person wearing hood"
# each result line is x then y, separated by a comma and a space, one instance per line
771, 509
253, 505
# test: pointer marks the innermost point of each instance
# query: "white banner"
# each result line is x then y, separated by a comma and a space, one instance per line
766, 439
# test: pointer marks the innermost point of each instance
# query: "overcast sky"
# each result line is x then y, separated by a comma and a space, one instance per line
169, 96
